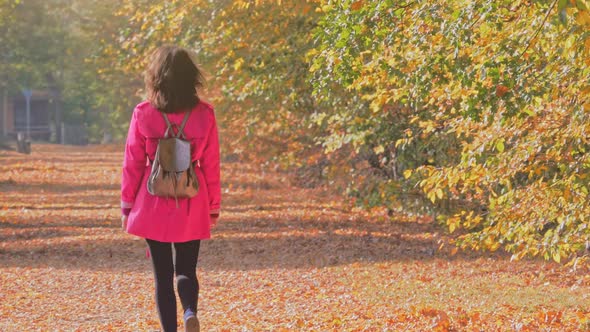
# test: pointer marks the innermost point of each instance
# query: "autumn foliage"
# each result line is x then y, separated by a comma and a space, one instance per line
490, 110
477, 111
398, 117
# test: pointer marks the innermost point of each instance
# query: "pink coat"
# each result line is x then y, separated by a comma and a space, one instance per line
158, 218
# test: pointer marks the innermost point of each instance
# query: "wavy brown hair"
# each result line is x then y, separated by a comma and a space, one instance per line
172, 80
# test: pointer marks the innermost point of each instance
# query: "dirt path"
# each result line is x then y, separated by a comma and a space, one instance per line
281, 259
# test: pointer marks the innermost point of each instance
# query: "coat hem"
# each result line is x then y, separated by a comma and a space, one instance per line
172, 240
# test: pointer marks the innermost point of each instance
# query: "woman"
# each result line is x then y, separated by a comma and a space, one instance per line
171, 82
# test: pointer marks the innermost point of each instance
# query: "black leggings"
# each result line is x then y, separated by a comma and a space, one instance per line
185, 266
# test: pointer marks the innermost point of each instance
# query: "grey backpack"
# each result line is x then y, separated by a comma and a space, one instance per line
173, 173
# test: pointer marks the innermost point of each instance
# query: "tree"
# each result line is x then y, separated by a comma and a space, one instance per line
475, 110
494, 95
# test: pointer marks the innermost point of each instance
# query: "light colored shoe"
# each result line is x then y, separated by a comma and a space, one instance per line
191, 322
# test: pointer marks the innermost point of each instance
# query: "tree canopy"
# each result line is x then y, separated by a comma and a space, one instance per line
477, 111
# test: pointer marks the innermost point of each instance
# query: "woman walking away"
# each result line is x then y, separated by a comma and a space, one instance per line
170, 191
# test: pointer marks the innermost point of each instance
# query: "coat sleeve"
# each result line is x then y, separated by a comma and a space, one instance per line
210, 164
133, 163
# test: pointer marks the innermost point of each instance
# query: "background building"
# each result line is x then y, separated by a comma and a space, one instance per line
13, 115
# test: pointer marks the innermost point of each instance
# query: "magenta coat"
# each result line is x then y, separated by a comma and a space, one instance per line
158, 218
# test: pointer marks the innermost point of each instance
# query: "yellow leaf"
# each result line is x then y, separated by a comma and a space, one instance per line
452, 227
238, 64
439, 193
432, 196
557, 257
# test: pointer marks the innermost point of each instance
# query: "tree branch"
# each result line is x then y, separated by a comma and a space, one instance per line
540, 27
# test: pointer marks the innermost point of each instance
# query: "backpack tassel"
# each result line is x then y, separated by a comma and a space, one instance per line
174, 184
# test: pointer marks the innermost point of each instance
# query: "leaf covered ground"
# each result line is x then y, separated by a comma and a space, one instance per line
281, 259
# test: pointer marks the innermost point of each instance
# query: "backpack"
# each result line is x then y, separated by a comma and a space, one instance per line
173, 174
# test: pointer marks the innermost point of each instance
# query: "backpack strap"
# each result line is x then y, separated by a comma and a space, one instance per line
168, 125
182, 124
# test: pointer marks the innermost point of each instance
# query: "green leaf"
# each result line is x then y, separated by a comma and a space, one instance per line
561, 5
500, 146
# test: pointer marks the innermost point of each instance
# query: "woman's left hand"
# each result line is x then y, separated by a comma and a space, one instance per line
214, 221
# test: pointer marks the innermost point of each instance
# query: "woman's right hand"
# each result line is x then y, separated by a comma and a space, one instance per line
124, 223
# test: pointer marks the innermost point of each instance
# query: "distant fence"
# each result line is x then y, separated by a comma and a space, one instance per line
74, 134
42, 132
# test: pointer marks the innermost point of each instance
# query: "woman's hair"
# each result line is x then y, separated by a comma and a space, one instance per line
172, 80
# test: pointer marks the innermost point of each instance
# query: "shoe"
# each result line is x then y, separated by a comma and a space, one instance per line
191, 322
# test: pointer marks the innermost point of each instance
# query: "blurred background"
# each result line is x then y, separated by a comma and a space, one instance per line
474, 111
